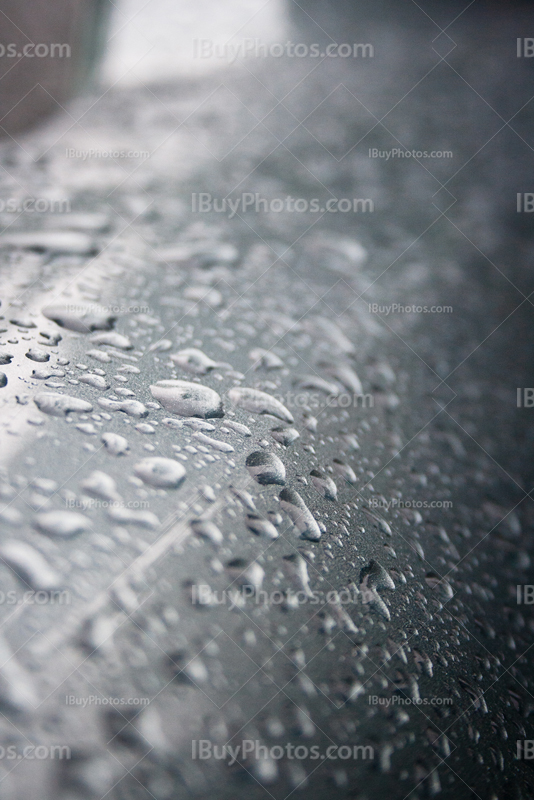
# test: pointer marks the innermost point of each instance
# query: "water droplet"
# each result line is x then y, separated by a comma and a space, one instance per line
36, 354
345, 471
3, 380
59, 404
259, 403
244, 497
439, 585
62, 523
299, 570
5, 358
163, 473
265, 358
197, 362
299, 513
266, 468
29, 565
285, 436
373, 578
81, 317
324, 484
238, 427
216, 444
345, 375
261, 527
115, 444
131, 407
188, 399
56, 241
133, 516
245, 573
113, 339
97, 381
100, 485
207, 530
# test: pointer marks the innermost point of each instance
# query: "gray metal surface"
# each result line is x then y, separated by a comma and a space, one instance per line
427, 528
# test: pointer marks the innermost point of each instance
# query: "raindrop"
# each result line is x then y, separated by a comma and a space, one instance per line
216, 444
133, 516
301, 516
345, 471
36, 354
58, 405
197, 362
439, 585
266, 468
56, 241
163, 473
207, 530
324, 484
265, 359
62, 523
188, 399
115, 444
97, 381
100, 485
261, 527
131, 407
29, 565
259, 403
285, 436
113, 339
81, 317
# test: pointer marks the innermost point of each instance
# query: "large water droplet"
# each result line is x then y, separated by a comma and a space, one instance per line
197, 362
113, 339
266, 468
29, 565
161, 472
115, 444
59, 404
36, 354
188, 399
261, 527
62, 523
301, 516
81, 317
324, 484
285, 436
259, 403
100, 485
